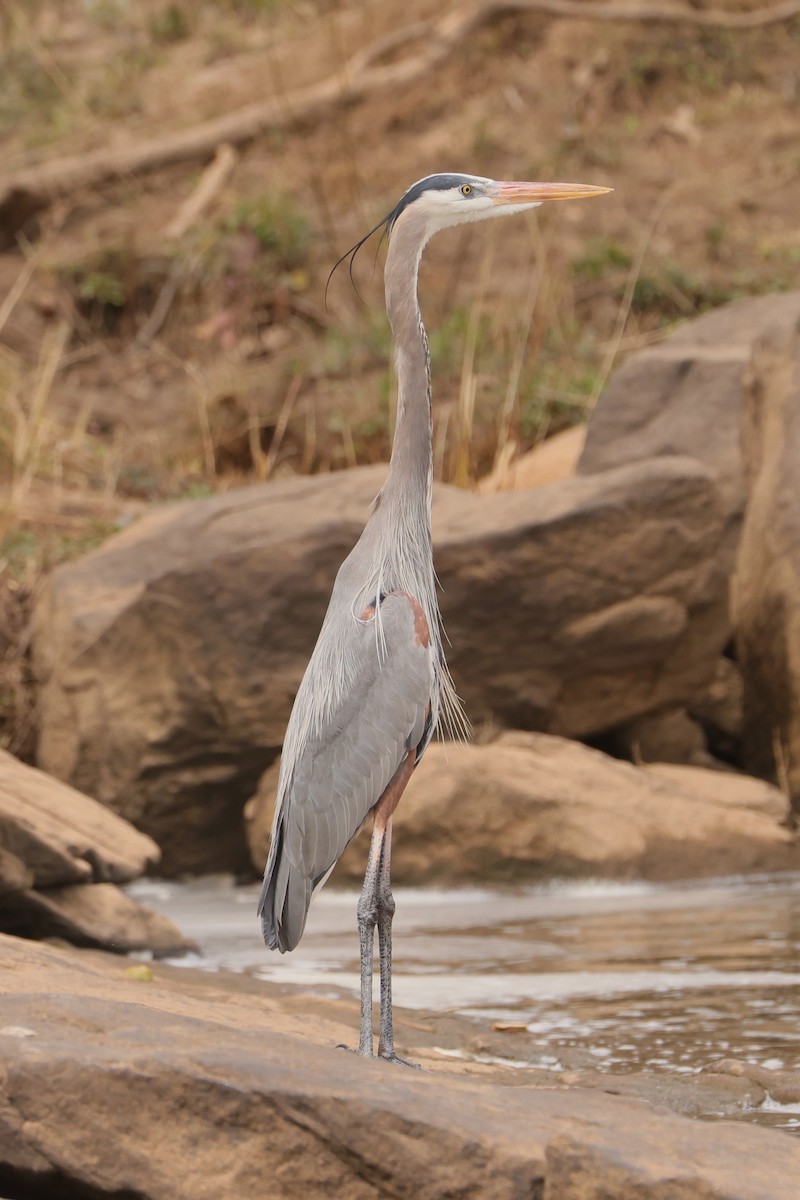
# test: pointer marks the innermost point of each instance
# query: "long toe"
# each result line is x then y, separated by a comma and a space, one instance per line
392, 1057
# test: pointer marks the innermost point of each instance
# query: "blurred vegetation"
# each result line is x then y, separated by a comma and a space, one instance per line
138, 365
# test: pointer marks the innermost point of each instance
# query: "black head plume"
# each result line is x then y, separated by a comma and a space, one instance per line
430, 183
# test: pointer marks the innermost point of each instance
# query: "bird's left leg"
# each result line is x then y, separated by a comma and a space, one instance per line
376, 905
386, 909
367, 912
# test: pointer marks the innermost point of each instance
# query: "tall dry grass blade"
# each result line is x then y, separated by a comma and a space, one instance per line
17, 288
281, 425
505, 449
35, 436
624, 310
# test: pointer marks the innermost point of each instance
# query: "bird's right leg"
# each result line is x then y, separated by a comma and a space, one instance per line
367, 913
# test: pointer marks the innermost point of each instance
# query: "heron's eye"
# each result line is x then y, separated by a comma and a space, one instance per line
466, 189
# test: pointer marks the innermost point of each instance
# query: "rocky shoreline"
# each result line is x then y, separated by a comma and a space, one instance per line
166, 1083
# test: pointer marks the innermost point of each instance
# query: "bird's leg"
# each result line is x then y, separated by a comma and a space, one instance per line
367, 912
377, 904
386, 907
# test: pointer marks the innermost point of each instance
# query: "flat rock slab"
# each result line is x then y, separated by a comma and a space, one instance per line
135, 1092
530, 806
168, 659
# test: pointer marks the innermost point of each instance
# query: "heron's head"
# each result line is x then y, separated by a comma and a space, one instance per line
439, 201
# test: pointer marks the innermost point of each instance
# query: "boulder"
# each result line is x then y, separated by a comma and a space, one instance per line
574, 607
766, 586
61, 855
531, 806
684, 396
670, 736
168, 659
63, 836
553, 459
97, 915
111, 1087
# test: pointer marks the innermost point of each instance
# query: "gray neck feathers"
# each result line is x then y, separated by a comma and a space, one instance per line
394, 553
409, 481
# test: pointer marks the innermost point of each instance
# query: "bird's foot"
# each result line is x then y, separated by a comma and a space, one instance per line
387, 1056
393, 1057
355, 1050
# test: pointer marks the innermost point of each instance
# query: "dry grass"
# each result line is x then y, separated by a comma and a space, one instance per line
144, 356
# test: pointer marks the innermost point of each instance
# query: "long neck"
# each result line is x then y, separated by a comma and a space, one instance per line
411, 464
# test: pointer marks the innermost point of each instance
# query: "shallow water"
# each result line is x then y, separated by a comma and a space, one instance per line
619, 977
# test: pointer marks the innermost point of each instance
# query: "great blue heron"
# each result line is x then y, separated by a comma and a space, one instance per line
377, 682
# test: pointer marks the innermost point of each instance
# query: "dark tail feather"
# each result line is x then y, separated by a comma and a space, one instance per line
285, 898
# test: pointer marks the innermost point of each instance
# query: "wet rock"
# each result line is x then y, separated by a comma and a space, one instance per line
766, 587
529, 806
780, 1085
168, 659
112, 1088
61, 854
684, 396
552, 460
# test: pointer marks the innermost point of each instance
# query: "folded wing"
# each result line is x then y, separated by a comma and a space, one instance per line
343, 769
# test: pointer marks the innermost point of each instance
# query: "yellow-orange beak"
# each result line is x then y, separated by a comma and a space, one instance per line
536, 193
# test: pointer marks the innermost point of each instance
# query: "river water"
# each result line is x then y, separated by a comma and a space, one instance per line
617, 977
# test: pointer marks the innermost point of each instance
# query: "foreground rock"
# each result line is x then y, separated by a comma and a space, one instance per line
766, 592
684, 396
169, 1092
169, 658
530, 806
61, 855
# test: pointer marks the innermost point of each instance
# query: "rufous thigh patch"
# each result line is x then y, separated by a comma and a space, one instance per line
390, 798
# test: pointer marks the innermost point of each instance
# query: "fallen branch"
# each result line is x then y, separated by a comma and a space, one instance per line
33, 189
211, 181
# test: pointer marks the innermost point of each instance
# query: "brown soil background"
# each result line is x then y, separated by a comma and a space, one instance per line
247, 374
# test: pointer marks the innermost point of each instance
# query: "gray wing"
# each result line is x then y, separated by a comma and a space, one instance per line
342, 770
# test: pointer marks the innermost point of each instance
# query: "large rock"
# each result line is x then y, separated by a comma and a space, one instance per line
530, 806
61, 855
766, 591
99, 915
116, 1088
684, 396
168, 659
63, 836
577, 606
